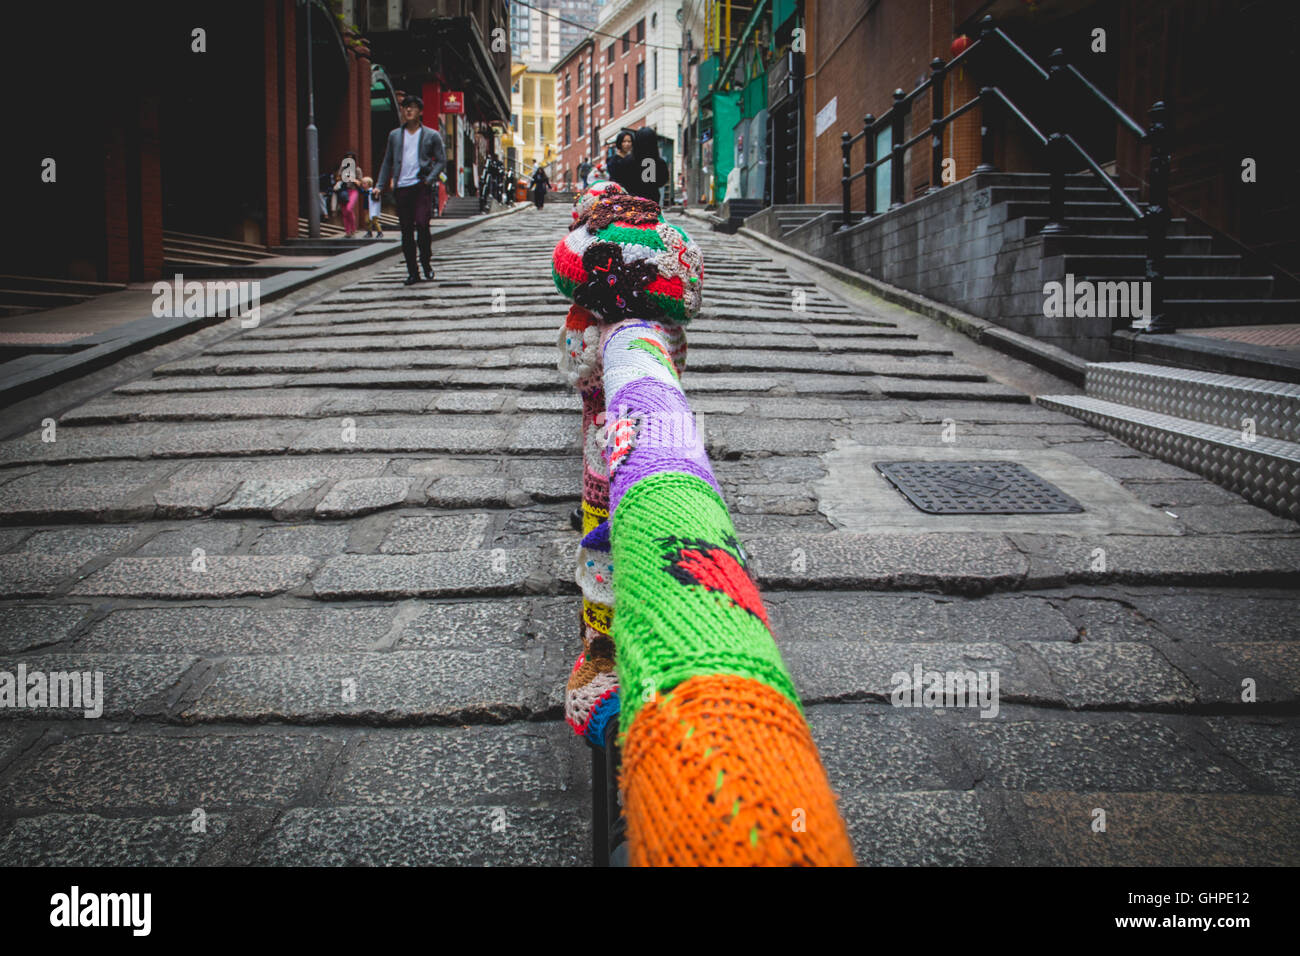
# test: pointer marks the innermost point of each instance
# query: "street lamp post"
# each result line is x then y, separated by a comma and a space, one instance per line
313, 158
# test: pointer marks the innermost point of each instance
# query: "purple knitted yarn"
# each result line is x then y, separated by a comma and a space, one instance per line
667, 439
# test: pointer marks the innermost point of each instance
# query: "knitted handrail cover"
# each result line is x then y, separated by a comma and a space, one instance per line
722, 770
591, 692
719, 766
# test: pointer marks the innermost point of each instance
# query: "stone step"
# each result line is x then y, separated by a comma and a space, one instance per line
1041, 193
1124, 242
329, 247
1211, 313
199, 268
1265, 471
48, 284
1101, 225
1134, 264
1209, 397
1075, 208
1215, 287
40, 298
1224, 289
182, 239
181, 251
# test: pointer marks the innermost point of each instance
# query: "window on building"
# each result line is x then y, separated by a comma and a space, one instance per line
627, 40
654, 73
611, 99
626, 104
567, 138
581, 125
579, 74
640, 30
595, 89
609, 53
568, 89
377, 15
640, 82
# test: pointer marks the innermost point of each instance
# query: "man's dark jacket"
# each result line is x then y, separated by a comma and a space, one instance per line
433, 158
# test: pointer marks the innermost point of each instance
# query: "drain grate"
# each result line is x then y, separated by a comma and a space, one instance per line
976, 488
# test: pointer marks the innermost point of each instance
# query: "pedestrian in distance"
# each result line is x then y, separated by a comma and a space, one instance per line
540, 184
584, 169
348, 188
493, 185
618, 164
326, 190
413, 161
376, 207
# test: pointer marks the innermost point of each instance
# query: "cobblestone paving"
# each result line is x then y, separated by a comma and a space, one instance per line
324, 567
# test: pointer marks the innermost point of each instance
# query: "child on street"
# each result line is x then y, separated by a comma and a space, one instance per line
375, 207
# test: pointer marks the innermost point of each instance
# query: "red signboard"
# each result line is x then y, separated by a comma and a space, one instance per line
453, 101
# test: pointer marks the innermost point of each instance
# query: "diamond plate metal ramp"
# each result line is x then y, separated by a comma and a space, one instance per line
1209, 397
1265, 471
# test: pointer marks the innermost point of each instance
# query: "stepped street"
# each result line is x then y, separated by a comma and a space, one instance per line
324, 570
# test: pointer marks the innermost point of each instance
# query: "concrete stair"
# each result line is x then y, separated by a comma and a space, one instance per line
732, 214
212, 257
1241, 433
22, 294
466, 207
1207, 283
790, 218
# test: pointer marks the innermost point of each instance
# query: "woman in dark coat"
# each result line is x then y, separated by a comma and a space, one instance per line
644, 173
540, 184
618, 165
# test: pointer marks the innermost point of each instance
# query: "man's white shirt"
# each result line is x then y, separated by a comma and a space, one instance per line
410, 158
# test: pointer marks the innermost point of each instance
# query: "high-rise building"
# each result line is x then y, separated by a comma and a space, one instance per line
543, 31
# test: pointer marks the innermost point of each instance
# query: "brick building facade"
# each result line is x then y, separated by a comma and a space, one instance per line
188, 132
639, 69
1213, 63
857, 54
577, 91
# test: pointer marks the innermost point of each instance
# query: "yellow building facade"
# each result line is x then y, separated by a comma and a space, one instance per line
532, 107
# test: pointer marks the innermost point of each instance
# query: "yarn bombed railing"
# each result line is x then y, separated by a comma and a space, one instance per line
718, 764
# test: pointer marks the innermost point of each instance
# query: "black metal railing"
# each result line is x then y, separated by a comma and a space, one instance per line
608, 826
1062, 151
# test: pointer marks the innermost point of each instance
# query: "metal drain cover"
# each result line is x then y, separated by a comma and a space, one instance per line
976, 488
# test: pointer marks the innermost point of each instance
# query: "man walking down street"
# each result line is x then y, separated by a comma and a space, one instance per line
413, 160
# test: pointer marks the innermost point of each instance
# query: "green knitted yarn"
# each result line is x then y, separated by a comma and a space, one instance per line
645, 346
640, 235
564, 285
674, 310
684, 605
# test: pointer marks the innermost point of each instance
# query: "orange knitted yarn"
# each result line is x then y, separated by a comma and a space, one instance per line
722, 771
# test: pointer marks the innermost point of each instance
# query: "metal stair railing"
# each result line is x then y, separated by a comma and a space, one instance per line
995, 48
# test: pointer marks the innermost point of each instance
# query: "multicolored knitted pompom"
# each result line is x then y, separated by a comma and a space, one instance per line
622, 260
583, 204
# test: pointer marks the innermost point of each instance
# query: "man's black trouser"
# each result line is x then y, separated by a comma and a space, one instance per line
414, 210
